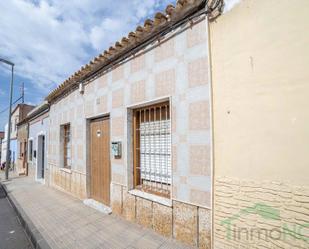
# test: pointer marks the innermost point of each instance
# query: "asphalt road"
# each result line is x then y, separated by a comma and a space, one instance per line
12, 235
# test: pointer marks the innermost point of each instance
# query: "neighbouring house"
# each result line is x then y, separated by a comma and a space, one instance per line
1, 139
19, 113
260, 79
37, 142
131, 129
195, 128
32, 135
22, 143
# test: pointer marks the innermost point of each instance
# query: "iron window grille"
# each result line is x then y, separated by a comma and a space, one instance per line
152, 149
66, 146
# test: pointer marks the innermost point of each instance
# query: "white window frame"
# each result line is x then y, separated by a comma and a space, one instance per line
64, 158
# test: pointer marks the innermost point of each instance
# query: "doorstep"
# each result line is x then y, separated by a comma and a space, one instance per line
98, 206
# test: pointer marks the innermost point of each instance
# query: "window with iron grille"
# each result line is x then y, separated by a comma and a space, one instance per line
66, 138
152, 149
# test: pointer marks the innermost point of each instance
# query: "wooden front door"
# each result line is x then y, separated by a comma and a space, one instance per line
100, 160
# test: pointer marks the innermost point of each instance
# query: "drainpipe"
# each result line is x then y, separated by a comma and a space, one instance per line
212, 6
211, 125
26, 149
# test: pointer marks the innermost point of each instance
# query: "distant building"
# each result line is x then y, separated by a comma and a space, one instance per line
3, 147
18, 114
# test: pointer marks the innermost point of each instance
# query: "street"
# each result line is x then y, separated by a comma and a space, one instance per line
12, 235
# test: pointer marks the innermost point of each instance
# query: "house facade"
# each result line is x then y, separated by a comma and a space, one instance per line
136, 135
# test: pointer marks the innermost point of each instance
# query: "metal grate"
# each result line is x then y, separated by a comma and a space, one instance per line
153, 149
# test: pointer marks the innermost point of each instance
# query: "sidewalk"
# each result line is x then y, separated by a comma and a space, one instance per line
12, 234
62, 221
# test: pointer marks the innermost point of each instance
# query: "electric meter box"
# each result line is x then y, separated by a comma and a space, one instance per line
116, 149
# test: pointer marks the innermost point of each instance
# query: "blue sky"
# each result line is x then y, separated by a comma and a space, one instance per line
48, 40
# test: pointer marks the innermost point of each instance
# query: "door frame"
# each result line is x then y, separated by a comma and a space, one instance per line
88, 159
37, 160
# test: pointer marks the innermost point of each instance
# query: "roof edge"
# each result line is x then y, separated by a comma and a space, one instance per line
38, 110
172, 15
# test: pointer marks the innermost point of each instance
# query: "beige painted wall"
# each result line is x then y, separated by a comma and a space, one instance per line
260, 58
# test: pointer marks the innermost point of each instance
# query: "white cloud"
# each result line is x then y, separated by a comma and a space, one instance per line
230, 4
124, 17
99, 33
48, 40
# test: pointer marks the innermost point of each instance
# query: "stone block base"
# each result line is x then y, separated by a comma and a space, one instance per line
70, 181
186, 223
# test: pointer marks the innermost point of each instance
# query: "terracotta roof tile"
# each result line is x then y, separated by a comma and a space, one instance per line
170, 10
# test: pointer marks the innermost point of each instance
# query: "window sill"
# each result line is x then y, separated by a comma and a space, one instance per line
152, 197
66, 170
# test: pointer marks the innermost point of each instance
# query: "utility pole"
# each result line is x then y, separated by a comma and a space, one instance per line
8, 149
22, 93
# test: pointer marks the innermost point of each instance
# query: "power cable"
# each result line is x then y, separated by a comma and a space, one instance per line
4, 110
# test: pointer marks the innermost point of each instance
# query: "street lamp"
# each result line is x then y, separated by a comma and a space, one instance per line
8, 161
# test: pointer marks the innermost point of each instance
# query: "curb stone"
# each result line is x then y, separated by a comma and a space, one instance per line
33, 234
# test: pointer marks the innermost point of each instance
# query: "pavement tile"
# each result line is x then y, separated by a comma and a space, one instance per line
65, 222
